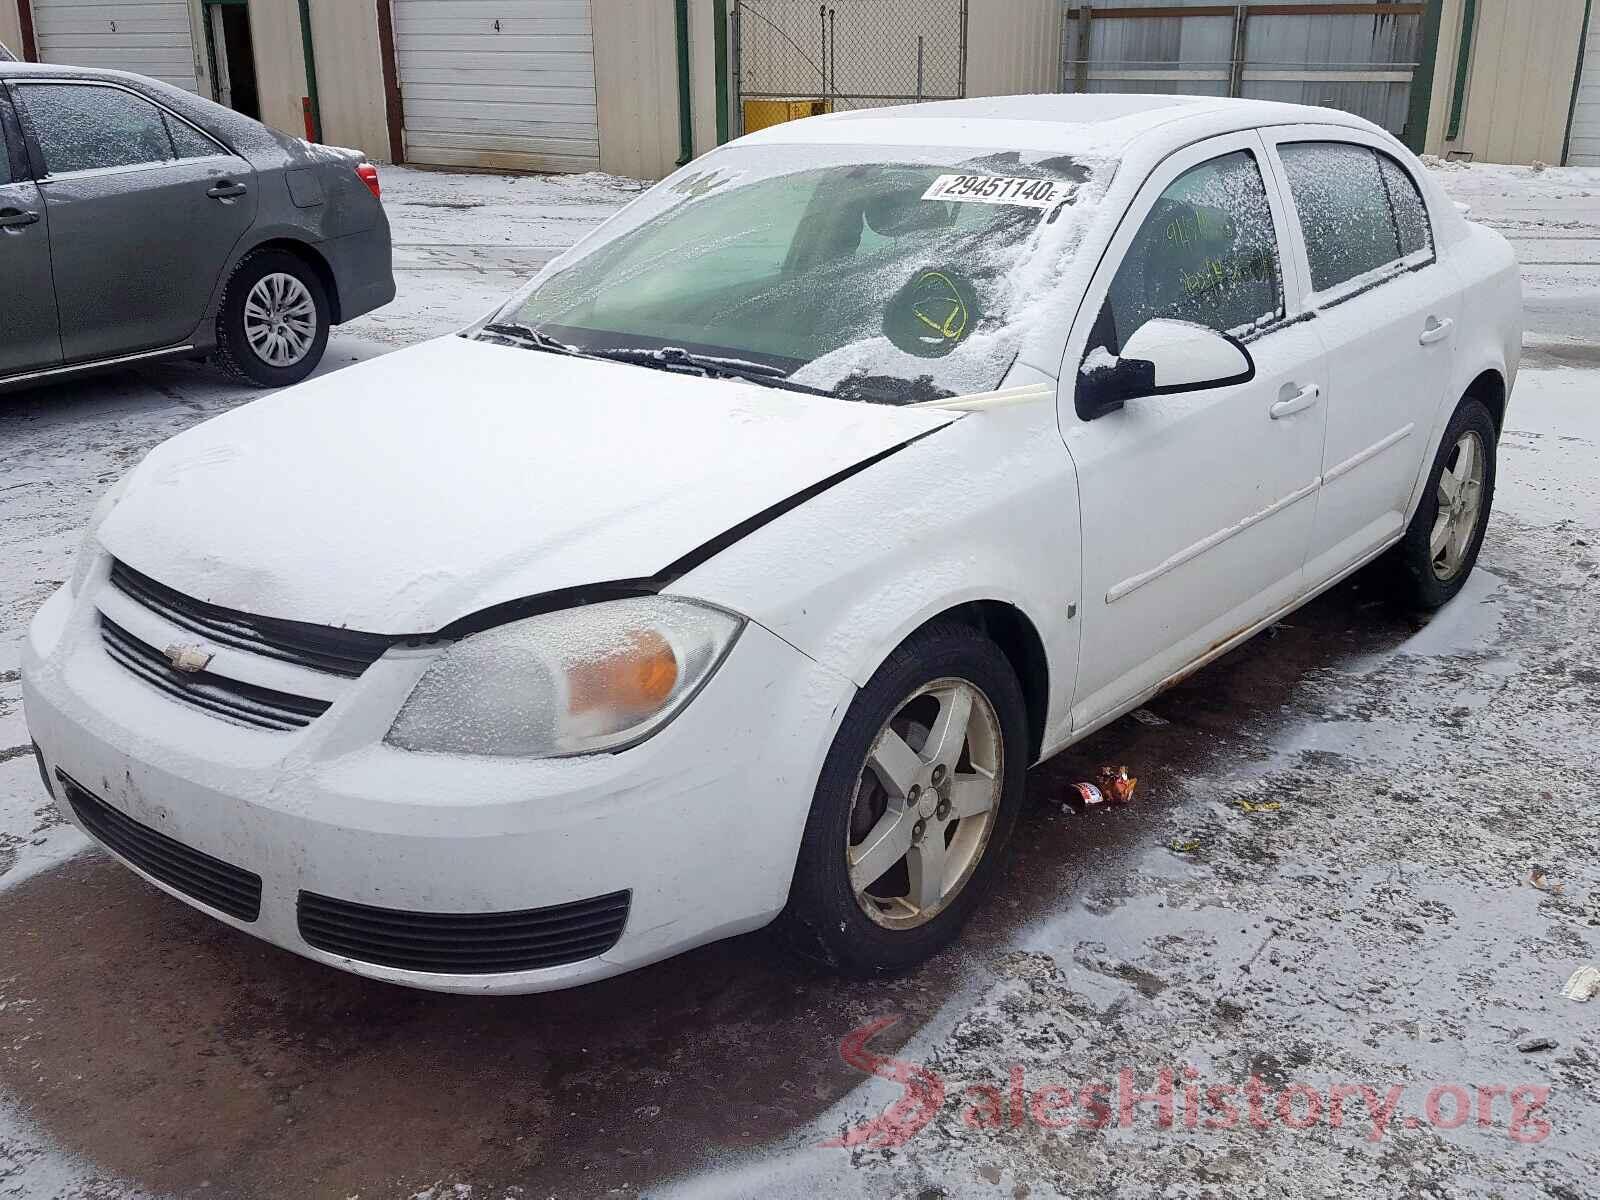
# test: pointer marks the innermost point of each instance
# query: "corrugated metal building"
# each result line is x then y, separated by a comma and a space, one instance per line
573, 85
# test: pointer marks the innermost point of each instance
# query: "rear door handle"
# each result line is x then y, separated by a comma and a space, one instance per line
1435, 331
226, 189
16, 218
1291, 401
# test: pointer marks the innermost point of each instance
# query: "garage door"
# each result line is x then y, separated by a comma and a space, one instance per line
152, 37
498, 83
1584, 148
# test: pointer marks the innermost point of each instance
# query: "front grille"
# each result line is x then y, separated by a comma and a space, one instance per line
319, 647
464, 943
211, 881
242, 703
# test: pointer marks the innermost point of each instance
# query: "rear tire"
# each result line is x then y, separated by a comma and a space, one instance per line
1431, 563
272, 328
952, 839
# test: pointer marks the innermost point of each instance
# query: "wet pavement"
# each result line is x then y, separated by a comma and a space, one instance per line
1323, 884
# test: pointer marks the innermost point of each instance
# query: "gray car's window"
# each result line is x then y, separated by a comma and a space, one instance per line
5, 158
190, 143
1207, 253
1345, 212
82, 127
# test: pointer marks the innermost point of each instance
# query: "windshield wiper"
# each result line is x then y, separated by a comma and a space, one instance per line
666, 358
708, 366
527, 335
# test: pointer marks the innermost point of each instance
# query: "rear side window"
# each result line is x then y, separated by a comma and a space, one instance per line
188, 142
1207, 253
1410, 214
5, 153
1359, 210
81, 127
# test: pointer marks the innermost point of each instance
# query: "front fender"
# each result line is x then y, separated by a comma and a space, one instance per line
984, 509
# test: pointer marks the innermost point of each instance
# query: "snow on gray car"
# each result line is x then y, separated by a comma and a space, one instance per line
735, 571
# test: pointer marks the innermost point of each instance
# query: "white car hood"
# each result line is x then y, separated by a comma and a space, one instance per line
404, 493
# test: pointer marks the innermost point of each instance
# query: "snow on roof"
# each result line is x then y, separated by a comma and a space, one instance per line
1074, 123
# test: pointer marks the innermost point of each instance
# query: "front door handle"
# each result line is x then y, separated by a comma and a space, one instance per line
226, 189
1291, 401
1435, 331
16, 218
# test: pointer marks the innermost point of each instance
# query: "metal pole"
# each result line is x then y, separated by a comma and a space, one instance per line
822, 35
1241, 20
961, 67
833, 56
738, 68
919, 69
1080, 75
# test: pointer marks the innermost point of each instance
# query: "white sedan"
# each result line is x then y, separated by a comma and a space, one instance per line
737, 569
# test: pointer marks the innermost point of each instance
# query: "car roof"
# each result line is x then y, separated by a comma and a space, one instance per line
1077, 123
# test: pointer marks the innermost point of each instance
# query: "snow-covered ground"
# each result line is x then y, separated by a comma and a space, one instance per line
464, 242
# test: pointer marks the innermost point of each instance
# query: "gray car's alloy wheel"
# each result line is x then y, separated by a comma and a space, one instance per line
273, 325
914, 806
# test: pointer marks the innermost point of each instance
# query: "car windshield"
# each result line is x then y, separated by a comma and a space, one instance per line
885, 274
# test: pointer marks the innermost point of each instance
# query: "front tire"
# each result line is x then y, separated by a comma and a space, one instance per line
914, 808
1440, 547
272, 328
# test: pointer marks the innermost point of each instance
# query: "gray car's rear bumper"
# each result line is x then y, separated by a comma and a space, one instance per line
363, 270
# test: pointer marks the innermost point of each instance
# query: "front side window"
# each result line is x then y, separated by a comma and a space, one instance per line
1354, 216
1207, 252
81, 127
885, 274
5, 155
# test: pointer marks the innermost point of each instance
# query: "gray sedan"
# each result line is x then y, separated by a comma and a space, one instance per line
139, 222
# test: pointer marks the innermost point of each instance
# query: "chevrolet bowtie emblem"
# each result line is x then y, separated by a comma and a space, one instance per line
188, 659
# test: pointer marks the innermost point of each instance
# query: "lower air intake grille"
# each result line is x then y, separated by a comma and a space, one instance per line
223, 886
464, 943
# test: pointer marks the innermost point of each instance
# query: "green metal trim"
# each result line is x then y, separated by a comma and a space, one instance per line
310, 52
1458, 99
719, 34
1577, 82
685, 93
1419, 104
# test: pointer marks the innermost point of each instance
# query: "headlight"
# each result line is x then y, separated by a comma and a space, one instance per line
601, 677
89, 547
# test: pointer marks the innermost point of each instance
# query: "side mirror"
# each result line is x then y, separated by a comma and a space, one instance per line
1161, 358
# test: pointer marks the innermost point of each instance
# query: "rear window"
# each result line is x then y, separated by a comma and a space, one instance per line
1359, 210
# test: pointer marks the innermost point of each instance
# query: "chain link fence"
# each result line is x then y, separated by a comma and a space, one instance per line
846, 54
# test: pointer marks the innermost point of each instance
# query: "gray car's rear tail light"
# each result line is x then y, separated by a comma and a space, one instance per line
223, 886
241, 703
321, 648
464, 943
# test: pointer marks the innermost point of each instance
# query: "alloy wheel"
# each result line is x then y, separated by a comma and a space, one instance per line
925, 804
1460, 506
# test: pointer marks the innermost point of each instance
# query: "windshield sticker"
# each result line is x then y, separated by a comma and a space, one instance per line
1000, 189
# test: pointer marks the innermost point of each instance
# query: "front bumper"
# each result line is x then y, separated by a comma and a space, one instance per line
699, 826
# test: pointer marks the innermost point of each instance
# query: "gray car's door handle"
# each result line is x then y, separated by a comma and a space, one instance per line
1292, 401
226, 189
1435, 331
16, 218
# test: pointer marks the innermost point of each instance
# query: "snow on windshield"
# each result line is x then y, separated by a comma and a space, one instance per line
916, 273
